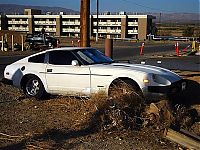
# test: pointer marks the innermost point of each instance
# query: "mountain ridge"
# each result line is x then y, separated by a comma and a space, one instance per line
11, 9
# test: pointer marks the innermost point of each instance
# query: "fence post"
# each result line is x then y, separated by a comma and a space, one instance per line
58, 43
72, 43
6, 42
109, 48
78, 43
12, 42
2, 45
22, 42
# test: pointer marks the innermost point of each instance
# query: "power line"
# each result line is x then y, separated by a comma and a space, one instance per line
140, 5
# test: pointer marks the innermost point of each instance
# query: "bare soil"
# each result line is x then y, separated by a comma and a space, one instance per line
75, 123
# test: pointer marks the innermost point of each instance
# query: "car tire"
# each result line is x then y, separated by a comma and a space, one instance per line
33, 87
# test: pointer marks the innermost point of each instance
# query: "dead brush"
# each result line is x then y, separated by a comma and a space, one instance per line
121, 110
126, 96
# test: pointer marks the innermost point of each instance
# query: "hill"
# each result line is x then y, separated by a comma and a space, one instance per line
10, 9
177, 17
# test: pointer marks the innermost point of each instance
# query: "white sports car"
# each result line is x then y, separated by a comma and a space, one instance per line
83, 71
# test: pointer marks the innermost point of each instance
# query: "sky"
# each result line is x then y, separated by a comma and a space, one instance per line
166, 6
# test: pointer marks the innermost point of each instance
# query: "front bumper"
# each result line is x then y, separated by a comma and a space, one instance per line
174, 88
7, 81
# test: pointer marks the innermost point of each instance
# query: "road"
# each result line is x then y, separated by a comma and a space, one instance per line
120, 52
128, 53
5, 60
189, 63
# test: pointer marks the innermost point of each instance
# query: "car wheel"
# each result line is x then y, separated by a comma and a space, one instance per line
34, 87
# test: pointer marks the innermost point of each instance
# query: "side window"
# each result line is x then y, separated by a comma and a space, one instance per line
37, 59
61, 57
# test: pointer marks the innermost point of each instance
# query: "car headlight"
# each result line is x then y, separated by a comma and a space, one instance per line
145, 80
160, 79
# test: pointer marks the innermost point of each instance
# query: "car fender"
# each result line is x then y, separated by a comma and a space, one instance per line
130, 77
135, 79
40, 75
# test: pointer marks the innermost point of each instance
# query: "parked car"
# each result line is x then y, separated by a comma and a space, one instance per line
40, 41
83, 71
17, 47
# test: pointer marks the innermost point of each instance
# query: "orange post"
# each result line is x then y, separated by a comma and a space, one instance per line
141, 49
177, 48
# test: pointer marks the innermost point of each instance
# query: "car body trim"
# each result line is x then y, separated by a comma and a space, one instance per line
76, 74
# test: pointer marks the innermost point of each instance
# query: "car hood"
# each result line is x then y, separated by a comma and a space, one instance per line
138, 69
142, 68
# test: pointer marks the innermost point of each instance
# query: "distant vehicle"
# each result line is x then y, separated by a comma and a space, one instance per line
40, 41
84, 71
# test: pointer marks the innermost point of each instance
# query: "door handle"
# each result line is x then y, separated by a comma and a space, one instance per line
49, 70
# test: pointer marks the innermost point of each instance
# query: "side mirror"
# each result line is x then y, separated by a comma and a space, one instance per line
75, 63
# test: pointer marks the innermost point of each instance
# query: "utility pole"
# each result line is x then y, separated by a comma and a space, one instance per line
160, 18
97, 21
85, 23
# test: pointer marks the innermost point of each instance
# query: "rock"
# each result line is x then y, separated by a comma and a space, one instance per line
160, 112
196, 128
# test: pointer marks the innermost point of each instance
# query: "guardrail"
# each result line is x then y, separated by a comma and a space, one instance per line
184, 138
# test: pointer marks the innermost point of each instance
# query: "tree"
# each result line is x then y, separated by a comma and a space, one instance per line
189, 31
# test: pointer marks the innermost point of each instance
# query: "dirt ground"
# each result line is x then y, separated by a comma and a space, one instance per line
76, 123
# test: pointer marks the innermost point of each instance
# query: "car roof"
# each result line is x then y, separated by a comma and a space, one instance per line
68, 48
60, 49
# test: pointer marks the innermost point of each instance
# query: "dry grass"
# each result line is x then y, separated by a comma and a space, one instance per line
62, 122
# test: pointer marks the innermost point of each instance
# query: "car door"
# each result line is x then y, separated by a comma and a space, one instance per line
64, 78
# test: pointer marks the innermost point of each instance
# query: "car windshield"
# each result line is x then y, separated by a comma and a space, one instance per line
92, 56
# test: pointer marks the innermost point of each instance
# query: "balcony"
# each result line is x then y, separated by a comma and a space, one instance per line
132, 23
114, 23
100, 31
107, 23
70, 23
17, 22
115, 31
132, 31
46, 29
18, 28
45, 22
71, 30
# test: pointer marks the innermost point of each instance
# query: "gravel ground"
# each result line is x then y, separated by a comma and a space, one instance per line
70, 123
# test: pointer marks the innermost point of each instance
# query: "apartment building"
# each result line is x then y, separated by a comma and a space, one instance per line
109, 25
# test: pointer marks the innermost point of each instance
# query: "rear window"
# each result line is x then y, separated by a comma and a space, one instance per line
37, 59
